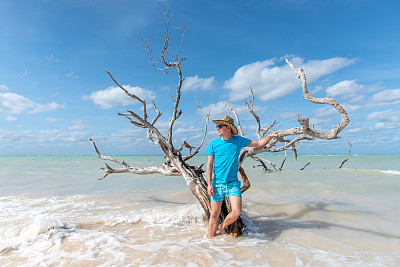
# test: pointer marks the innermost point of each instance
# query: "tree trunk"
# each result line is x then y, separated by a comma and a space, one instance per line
197, 183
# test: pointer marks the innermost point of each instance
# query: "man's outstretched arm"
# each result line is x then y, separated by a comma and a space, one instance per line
210, 165
263, 141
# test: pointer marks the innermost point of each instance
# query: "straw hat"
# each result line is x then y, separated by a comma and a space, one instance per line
226, 120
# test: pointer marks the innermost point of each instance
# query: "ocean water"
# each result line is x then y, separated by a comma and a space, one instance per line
54, 212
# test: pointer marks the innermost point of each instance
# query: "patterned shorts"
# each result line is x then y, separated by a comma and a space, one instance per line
229, 188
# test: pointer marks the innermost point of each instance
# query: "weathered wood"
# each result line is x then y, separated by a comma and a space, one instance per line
348, 157
176, 164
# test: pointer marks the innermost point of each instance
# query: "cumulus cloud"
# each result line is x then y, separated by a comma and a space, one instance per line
195, 83
351, 90
270, 82
114, 96
348, 88
386, 115
219, 110
12, 104
386, 97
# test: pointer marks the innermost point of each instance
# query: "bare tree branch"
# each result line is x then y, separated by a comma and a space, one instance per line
305, 166
131, 95
348, 157
264, 165
304, 130
236, 117
332, 134
129, 169
207, 117
246, 182
250, 108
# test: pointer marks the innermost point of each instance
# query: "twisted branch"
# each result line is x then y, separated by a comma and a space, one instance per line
165, 170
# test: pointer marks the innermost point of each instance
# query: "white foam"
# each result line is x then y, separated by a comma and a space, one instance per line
42, 223
15, 239
392, 172
168, 216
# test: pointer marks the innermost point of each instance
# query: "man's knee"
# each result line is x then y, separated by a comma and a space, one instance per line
214, 215
236, 213
215, 211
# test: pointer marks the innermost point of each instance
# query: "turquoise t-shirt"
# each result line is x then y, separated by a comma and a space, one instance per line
226, 157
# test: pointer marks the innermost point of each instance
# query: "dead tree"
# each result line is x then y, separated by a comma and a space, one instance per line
348, 157
176, 164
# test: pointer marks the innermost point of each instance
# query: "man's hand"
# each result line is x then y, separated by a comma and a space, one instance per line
210, 190
274, 134
264, 140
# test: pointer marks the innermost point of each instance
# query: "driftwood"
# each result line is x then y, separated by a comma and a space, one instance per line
177, 164
348, 157
263, 165
305, 166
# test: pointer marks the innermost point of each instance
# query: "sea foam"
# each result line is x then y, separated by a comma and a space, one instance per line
41, 223
168, 216
392, 172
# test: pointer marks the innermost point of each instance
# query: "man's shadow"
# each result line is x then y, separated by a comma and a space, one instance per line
272, 226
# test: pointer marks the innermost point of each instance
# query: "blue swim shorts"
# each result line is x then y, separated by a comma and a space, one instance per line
230, 188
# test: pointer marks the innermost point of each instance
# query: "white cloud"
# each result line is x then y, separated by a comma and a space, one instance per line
4, 88
51, 58
12, 104
39, 137
219, 110
386, 125
71, 75
357, 130
270, 82
344, 88
287, 116
325, 111
51, 120
114, 96
79, 125
392, 115
386, 97
195, 83
351, 90
10, 118
39, 108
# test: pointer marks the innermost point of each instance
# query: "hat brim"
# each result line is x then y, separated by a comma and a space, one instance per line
232, 126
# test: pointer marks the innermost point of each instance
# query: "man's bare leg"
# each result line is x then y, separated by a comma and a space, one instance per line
213, 222
222, 230
236, 205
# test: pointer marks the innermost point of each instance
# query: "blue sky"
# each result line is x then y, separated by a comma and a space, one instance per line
55, 93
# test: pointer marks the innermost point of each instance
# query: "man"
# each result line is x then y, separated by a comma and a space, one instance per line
223, 158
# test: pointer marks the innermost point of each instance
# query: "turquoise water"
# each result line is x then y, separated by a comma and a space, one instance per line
54, 211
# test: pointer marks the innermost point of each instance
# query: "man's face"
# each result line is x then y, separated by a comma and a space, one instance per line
222, 129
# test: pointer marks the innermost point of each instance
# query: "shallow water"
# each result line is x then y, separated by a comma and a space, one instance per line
55, 212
